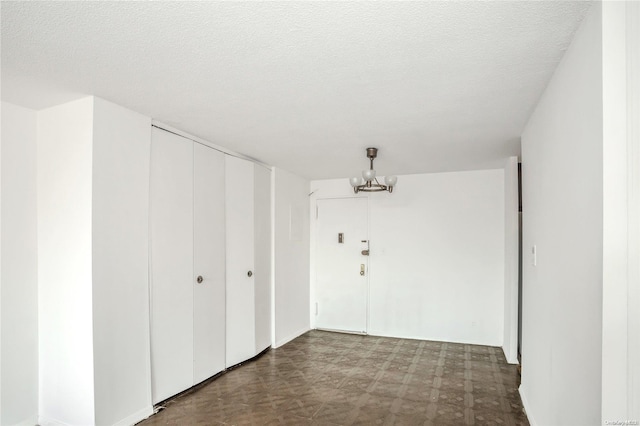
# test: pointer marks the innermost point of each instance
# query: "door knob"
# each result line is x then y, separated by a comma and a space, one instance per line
249, 274
199, 279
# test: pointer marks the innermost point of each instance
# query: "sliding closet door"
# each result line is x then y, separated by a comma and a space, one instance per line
171, 219
262, 244
208, 263
240, 267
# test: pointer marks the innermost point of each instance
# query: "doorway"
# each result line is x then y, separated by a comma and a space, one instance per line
342, 264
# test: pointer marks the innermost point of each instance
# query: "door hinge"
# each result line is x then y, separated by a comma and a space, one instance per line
316, 212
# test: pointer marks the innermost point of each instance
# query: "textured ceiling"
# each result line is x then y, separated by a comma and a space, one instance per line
306, 86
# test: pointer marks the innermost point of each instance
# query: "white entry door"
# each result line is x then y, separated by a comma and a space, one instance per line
341, 268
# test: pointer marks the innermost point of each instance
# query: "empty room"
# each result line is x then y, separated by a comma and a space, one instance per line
320, 213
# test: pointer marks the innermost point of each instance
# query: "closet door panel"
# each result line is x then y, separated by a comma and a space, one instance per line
171, 233
240, 316
262, 243
209, 263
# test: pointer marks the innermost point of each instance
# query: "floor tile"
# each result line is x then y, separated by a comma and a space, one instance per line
334, 379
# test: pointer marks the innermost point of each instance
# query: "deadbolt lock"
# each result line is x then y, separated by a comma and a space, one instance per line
365, 252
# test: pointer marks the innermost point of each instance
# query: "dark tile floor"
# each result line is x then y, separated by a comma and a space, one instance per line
324, 378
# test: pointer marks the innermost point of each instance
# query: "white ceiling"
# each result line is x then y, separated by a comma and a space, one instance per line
306, 86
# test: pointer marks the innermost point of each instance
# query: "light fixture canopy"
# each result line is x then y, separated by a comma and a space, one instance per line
369, 182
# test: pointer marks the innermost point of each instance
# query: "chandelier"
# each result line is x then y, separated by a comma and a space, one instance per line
368, 182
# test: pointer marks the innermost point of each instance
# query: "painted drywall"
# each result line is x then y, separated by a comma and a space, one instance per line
93, 188
1, 260
633, 138
562, 217
614, 212
64, 164
19, 273
437, 255
621, 204
120, 241
291, 234
511, 244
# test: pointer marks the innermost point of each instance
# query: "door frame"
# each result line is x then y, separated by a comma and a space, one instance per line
313, 255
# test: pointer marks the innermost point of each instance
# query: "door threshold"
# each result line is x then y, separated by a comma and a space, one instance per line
360, 333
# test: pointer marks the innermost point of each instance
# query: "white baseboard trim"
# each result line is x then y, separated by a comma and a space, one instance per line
127, 421
289, 338
46, 421
511, 359
29, 421
432, 338
135, 417
527, 409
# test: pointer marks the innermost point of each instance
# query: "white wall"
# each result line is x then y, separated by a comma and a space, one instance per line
93, 188
633, 182
120, 238
291, 232
19, 273
614, 212
437, 255
562, 217
1, 262
621, 207
511, 246
64, 162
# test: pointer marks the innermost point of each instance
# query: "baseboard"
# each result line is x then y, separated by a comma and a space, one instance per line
289, 338
510, 359
46, 421
433, 339
135, 417
527, 408
332, 330
30, 421
127, 421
